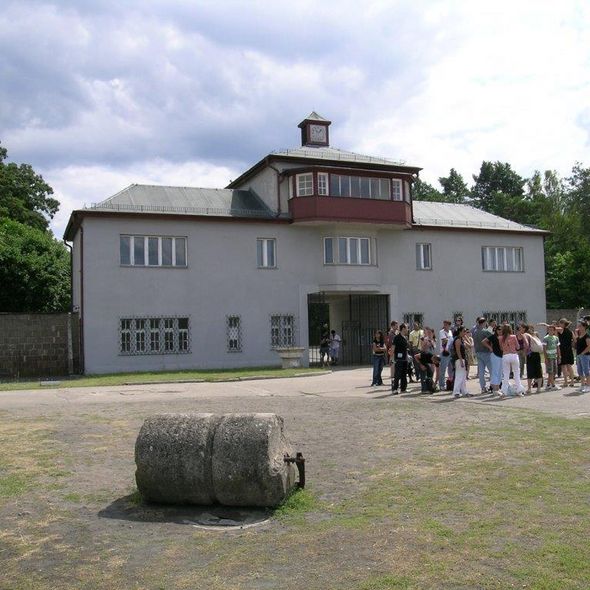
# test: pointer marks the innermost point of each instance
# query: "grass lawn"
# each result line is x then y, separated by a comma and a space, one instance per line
163, 377
402, 495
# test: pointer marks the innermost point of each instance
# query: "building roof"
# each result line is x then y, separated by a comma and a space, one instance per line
246, 204
335, 154
449, 215
146, 198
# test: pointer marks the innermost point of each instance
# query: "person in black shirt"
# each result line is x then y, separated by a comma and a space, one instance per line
399, 354
426, 361
492, 343
379, 352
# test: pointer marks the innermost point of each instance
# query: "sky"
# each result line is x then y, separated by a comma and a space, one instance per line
99, 94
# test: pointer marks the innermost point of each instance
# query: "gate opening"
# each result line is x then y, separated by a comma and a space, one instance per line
355, 317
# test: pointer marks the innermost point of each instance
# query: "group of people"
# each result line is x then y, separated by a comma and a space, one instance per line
501, 355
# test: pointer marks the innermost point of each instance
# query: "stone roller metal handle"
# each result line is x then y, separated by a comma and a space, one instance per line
230, 459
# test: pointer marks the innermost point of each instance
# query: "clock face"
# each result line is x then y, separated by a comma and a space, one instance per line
317, 133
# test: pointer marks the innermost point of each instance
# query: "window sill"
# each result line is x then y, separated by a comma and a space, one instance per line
154, 267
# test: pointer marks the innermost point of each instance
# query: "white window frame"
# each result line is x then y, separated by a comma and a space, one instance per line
304, 184
335, 240
146, 253
397, 190
421, 264
323, 184
502, 259
264, 262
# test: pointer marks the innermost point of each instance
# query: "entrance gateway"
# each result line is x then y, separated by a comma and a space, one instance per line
355, 317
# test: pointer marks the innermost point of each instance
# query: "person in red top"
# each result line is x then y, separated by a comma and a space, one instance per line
510, 362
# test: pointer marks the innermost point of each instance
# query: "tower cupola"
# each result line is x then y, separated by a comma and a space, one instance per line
314, 131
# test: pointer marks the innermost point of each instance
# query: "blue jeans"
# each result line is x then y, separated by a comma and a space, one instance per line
484, 362
378, 362
442, 371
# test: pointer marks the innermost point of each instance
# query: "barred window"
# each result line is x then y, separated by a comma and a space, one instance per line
514, 318
168, 335
413, 318
282, 331
152, 251
234, 333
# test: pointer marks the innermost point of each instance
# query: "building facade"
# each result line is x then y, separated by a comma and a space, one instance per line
180, 278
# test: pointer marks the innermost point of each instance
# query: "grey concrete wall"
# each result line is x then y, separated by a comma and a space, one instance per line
222, 279
554, 315
38, 344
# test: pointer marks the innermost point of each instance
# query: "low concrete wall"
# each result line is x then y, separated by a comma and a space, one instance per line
554, 315
39, 344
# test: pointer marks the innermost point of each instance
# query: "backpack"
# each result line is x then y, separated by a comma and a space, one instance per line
535, 344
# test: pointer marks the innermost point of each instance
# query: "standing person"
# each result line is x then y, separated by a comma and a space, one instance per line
325, 346
510, 362
583, 355
469, 350
414, 339
492, 343
445, 338
484, 361
379, 352
458, 324
460, 361
534, 348
400, 360
522, 345
552, 357
393, 329
334, 347
566, 349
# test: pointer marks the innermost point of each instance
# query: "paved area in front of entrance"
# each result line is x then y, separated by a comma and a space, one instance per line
339, 384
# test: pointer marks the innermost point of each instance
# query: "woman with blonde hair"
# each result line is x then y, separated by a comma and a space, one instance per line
510, 362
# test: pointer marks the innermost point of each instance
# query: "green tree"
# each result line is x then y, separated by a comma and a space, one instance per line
497, 188
455, 189
34, 270
422, 191
24, 195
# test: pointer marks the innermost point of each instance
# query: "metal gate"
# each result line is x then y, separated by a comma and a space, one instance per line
318, 314
367, 313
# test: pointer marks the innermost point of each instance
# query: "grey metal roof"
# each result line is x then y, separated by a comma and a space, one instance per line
330, 153
313, 116
463, 216
145, 198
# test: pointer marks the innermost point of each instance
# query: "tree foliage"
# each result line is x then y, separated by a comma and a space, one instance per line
34, 270
24, 195
34, 266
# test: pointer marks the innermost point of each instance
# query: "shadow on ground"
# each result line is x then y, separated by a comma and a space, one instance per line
211, 517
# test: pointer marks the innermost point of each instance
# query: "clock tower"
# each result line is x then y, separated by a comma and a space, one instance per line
314, 131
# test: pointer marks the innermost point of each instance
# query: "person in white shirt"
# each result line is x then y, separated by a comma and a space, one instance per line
445, 338
334, 347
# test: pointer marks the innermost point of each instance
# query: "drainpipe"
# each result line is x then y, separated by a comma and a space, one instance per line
82, 359
280, 179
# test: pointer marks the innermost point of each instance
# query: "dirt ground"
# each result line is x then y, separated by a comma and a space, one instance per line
407, 492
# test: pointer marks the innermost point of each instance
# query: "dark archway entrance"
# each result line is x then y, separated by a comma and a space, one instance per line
355, 317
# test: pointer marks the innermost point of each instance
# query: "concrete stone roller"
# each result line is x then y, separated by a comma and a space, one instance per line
230, 459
